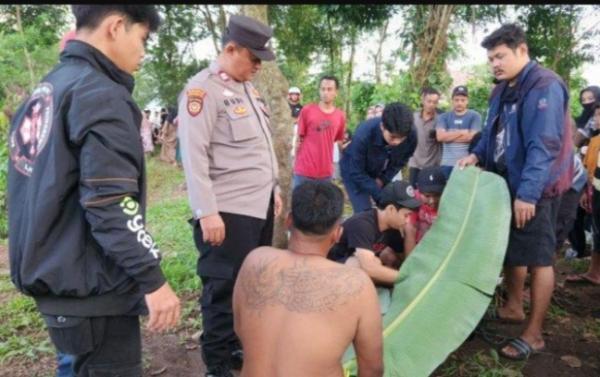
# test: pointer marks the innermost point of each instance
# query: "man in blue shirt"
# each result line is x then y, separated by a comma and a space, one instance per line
455, 129
527, 140
380, 147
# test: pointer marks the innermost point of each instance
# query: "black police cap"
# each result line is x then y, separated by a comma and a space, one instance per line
252, 34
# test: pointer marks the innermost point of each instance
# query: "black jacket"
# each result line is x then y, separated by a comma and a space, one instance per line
76, 192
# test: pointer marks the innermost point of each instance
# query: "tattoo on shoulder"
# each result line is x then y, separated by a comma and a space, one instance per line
299, 288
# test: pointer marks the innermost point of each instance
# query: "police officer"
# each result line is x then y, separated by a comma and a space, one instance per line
231, 174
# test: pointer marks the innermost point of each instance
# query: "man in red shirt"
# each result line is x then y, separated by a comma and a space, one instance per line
319, 126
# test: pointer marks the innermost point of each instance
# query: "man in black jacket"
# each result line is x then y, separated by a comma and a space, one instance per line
77, 237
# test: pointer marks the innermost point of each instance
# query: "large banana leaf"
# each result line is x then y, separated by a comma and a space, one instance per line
447, 282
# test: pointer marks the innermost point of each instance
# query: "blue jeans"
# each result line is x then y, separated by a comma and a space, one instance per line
360, 200
299, 179
64, 367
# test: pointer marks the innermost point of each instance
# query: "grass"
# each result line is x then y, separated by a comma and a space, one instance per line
22, 332
578, 265
480, 364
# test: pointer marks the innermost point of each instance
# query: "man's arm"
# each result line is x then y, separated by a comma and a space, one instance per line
372, 265
195, 133
108, 189
357, 155
543, 134
368, 342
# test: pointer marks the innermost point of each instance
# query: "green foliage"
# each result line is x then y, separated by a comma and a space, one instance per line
170, 61
552, 39
447, 270
480, 87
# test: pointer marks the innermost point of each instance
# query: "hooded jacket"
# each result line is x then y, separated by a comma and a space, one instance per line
76, 192
539, 150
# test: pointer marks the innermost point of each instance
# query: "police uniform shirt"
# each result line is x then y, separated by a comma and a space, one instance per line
226, 145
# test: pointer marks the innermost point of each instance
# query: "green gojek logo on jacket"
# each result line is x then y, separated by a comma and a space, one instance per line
136, 225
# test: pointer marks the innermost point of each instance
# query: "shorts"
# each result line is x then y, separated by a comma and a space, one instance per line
534, 244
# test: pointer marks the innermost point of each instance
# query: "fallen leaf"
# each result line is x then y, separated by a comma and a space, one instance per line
158, 371
571, 361
191, 346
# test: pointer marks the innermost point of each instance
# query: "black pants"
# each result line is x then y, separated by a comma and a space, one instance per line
102, 346
567, 212
218, 267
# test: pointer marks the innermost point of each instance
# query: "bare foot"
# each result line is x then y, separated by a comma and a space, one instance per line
511, 315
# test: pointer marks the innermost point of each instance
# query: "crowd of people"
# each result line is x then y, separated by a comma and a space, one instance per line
79, 245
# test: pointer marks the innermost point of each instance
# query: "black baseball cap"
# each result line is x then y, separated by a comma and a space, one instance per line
431, 180
460, 90
250, 33
400, 193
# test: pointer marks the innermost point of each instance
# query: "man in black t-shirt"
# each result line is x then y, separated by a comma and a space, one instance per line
371, 234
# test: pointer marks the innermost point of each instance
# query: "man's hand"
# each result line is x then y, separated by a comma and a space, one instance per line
213, 229
379, 182
278, 205
470, 160
523, 212
164, 308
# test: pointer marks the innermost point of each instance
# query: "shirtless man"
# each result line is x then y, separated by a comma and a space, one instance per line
296, 312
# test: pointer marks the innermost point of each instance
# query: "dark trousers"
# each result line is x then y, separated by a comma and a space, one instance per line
567, 212
577, 233
413, 175
101, 346
218, 267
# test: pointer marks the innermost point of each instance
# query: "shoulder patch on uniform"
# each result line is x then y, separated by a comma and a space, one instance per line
195, 101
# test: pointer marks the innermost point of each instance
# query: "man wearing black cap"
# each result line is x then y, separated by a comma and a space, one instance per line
231, 174
455, 129
369, 234
431, 182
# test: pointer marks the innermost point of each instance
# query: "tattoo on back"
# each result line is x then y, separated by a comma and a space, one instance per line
299, 288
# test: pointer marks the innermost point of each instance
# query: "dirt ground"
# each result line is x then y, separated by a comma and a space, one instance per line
567, 333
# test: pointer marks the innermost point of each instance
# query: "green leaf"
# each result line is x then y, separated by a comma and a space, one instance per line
447, 282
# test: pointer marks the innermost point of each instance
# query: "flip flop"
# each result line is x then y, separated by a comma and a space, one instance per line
580, 279
494, 316
522, 347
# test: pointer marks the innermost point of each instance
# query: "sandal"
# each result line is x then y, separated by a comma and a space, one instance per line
494, 316
522, 347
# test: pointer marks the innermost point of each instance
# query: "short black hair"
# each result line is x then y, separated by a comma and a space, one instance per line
90, 16
427, 91
397, 118
316, 207
510, 34
331, 78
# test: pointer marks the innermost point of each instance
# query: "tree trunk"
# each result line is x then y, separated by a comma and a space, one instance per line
432, 43
27, 57
273, 86
212, 28
353, 40
379, 53
222, 19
